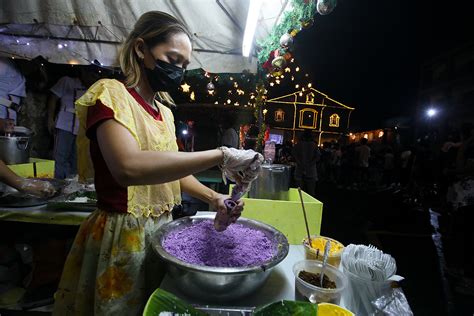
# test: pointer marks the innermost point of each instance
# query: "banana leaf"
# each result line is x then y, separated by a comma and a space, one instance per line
162, 301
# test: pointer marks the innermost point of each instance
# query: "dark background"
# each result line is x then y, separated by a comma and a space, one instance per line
368, 53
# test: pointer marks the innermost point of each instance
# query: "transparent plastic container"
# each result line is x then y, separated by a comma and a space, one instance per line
334, 257
315, 294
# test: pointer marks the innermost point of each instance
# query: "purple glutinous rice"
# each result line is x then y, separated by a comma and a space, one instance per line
237, 246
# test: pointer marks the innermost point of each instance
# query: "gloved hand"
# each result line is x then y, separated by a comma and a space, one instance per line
224, 216
37, 188
240, 166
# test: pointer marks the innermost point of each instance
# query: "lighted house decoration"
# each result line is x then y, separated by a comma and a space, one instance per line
309, 109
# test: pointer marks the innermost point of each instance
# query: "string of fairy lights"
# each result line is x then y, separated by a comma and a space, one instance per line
239, 89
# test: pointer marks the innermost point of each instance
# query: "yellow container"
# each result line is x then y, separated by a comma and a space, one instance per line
328, 309
286, 215
36, 168
316, 251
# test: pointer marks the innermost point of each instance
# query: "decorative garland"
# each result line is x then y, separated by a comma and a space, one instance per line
276, 50
301, 16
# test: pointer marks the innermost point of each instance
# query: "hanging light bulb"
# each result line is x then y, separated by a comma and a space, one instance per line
217, 102
300, 94
292, 78
229, 101
297, 69
236, 84
272, 84
309, 85
282, 76
277, 81
287, 69
297, 86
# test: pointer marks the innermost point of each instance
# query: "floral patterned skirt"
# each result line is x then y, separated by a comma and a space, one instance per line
111, 268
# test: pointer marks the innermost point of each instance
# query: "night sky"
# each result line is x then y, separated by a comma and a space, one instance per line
368, 53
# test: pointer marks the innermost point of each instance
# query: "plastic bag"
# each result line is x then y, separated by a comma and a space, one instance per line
392, 304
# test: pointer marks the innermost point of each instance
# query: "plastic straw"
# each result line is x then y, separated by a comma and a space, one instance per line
305, 218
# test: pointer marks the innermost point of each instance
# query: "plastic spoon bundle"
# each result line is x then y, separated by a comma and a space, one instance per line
372, 269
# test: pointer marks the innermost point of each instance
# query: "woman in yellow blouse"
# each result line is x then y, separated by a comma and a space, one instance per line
139, 174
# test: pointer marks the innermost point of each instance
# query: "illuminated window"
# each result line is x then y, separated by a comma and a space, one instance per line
334, 120
310, 98
279, 115
308, 118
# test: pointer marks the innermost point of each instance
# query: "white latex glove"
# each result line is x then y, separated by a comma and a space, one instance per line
240, 166
37, 188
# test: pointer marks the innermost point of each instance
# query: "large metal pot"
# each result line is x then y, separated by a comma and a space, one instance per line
273, 183
15, 149
219, 284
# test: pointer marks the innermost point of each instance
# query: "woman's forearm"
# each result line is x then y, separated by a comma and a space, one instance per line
150, 167
130, 165
196, 189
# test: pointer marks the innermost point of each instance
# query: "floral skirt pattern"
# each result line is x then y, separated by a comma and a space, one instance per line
111, 268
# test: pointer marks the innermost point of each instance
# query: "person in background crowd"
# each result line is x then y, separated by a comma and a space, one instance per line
363, 156
388, 167
12, 89
230, 135
63, 123
406, 163
335, 163
461, 197
306, 155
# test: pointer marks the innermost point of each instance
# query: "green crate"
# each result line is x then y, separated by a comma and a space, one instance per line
36, 168
287, 215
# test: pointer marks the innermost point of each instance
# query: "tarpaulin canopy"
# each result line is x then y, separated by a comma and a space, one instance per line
81, 31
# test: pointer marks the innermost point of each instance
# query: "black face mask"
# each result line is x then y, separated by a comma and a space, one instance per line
165, 76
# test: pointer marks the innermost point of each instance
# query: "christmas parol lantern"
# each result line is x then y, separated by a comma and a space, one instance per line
325, 7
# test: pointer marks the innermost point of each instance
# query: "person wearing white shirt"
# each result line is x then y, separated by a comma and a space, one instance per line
65, 125
12, 89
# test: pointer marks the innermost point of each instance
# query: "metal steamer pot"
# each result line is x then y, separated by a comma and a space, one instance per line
15, 148
273, 183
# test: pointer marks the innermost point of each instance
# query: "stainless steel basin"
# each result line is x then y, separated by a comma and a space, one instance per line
219, 284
